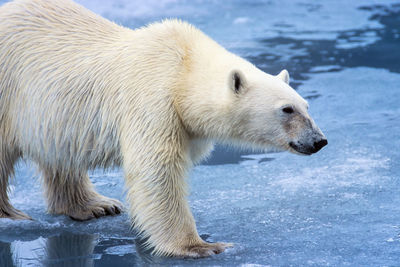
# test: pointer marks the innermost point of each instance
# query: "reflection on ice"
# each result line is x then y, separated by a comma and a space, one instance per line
120, 250
69, 249
62, 250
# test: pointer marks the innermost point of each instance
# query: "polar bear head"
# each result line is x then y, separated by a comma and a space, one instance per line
227, 98
271, 114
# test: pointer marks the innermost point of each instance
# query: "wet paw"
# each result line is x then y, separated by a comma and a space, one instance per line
13, 213
206, 249
96, 208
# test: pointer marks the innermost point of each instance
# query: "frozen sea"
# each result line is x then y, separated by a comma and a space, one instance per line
339, 207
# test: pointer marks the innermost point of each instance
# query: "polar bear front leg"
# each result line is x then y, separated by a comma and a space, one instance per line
74, 195
159, 209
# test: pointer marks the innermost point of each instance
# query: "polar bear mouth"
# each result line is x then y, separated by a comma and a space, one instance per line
300, 149
308, 149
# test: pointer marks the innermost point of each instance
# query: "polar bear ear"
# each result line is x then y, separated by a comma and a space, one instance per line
284, 76
237, 82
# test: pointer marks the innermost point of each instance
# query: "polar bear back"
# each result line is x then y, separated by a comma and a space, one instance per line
72, 80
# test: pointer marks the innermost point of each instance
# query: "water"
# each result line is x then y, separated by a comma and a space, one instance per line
339, 207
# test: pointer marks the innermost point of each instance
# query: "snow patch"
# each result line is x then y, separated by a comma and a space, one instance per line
351, 171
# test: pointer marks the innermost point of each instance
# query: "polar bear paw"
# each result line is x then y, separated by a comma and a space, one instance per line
97, 207
206, 249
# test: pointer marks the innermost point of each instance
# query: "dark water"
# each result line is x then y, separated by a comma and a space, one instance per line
340, 207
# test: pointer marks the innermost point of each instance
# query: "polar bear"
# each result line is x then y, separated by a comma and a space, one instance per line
79, 92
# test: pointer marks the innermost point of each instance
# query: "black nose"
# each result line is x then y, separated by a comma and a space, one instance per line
320, 144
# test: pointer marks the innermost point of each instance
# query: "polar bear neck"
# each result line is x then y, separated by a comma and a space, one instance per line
195, 73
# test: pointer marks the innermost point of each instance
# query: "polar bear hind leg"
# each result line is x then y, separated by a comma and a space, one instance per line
74, 195
8, 157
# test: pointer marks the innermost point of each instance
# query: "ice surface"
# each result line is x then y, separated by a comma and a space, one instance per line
339, 207
290, 18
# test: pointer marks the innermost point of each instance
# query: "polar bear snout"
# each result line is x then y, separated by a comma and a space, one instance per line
302, 134
320, 144
308, 148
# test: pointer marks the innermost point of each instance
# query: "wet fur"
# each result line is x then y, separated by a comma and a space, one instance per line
80, 92
72, 101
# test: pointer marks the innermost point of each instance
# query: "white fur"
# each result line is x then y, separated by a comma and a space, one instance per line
79, 92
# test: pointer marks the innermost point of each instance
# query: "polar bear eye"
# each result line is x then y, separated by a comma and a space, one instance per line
237, 82
288, 110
